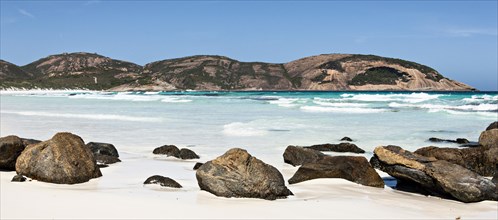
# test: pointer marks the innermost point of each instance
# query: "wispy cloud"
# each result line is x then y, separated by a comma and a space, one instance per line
468, 32
25, 13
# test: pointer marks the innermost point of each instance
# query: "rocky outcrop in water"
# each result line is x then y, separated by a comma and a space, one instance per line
10, 148
64, 159
238, 174
207, 72
457, 141
173, 151
354, 169
341, 147
437, 177
162, 181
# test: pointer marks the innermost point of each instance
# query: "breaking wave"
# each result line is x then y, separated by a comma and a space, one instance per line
111, 117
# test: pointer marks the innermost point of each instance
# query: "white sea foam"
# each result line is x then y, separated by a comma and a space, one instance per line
410, 98
242, 130
480, 107
175, 100
481, 98
40, 91
339, 104
285, 102
342, 110
86, 116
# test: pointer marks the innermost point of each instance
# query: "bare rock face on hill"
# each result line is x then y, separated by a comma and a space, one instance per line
238, 174
437, 177
64, 159
208, 72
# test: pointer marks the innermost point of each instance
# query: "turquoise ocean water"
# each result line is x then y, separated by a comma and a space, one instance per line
264, 123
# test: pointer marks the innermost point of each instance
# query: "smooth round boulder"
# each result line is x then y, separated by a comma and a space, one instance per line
10, 148
187, 154
64, 159
163, 181
346, 139
238, 174
98, 148
489, 138
168, 150
352, 168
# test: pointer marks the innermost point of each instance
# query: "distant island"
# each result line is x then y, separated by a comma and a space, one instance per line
342, 72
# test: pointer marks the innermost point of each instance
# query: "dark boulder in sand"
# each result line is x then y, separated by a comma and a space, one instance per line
481, 160
106, 159
493, 125
163, 181
197, 165
10, 148
64, 159
438, 177
186, 154
346, 139
296, 156
352, 168
98, 148
18, 178
341, 147
238, 174
168, 150
104, 153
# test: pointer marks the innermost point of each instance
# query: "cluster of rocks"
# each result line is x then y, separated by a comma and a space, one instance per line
64, 159
173, 151
454, 173
446, 172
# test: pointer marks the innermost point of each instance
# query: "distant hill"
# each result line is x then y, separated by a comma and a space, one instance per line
205, 72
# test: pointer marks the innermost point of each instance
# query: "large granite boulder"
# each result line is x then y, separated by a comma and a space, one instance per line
10, 148
489, 138
238, 174
163, 181
481, 160
296, 156
352, 168
341, 147
28, 141
63, 159
437, 177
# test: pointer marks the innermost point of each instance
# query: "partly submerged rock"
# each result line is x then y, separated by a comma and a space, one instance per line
186, 154
98, 148
352, 168
10, 148
438, 177
457, 141
168, 150
238, 174
341, 147
296, 156
106, 159
163, 181
63, 159
346, 139
481, 160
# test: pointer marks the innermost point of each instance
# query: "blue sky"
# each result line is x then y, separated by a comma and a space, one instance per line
458, 38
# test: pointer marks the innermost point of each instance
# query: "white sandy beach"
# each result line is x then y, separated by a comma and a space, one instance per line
120, 194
